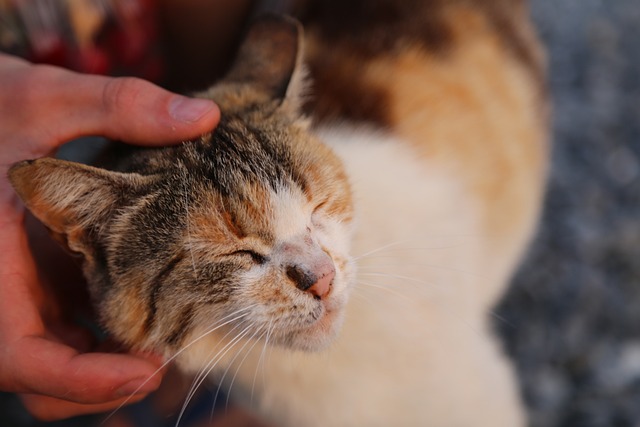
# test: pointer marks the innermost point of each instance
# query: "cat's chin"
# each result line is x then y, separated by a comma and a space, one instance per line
318, 336
312, 339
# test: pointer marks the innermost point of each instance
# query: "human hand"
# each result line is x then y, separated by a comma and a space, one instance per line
42, 107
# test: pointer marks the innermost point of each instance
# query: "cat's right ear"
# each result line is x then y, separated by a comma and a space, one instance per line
270, 59
73, 200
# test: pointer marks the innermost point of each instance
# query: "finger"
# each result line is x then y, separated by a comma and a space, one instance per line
137, 111
64, 105
46, 408
53, 369
32, 364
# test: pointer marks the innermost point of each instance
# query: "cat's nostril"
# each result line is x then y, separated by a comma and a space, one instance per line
302, 279
317, 284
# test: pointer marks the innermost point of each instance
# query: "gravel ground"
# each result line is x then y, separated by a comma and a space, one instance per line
571, 320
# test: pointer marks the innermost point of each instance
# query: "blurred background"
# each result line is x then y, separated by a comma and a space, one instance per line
571, 321
572, 317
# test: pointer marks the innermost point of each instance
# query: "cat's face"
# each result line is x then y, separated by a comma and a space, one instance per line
253, 220
244, 232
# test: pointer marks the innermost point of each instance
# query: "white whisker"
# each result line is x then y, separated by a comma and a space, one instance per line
358, 292
373, 251
224, 375
261, 361
502, 319
241, 363
413, 264
384, 288
198, 379
388, 246
210, 367
226, 320
414, 280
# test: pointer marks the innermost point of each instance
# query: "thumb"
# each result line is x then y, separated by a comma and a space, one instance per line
137, 111
55, 105
134, 110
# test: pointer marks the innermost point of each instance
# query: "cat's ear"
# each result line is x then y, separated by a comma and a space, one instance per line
270, 59
71, 199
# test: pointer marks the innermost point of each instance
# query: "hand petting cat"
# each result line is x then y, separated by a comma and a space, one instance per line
41, 108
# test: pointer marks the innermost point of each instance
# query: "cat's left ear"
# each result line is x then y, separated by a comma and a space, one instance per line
74, 201
270, 59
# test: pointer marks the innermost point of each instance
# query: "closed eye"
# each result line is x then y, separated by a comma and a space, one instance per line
317, 214
255, 256
320, 206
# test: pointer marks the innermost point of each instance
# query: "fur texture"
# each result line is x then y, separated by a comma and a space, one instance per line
422, 163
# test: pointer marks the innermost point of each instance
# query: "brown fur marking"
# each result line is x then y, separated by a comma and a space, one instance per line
489, 98
343, 85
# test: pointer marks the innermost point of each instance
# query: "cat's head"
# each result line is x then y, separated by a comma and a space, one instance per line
247, 227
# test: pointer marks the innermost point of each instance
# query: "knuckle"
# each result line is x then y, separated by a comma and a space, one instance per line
122, 94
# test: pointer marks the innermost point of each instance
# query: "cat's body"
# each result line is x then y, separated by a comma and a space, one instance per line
371, 272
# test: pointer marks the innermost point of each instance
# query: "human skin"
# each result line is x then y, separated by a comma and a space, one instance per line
51, 363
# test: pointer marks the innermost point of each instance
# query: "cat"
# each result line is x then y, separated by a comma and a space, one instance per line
332, 251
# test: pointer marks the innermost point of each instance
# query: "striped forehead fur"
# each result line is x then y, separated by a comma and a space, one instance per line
239, 153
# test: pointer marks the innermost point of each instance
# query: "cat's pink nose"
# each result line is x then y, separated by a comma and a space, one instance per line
321, 288
316, 281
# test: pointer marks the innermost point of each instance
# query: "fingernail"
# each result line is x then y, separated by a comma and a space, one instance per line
189, 109
137, 386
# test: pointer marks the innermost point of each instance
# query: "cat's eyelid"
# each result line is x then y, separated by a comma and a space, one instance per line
320, 206
257, 257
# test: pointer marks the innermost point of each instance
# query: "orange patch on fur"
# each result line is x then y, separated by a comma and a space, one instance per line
128, 312
478, 112
334, 193
213, 224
